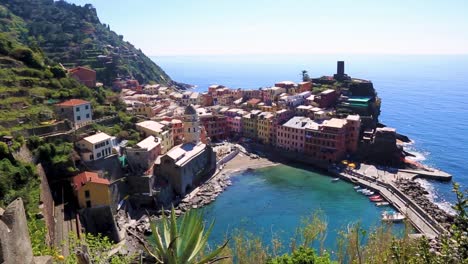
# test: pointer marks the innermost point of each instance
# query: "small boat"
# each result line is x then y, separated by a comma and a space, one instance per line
375, 196
362, 190
368, 192
375, 200
335, 179
382, 203
390, 216
357, 187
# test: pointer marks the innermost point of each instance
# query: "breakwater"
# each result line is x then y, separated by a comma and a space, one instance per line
418, 217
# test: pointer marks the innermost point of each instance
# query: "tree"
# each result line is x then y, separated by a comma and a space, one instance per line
4, 151
305, 76
185, 243
58, 72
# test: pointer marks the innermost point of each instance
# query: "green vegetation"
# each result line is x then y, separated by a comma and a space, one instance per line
56, 157
184, 243
74, 36
97, 248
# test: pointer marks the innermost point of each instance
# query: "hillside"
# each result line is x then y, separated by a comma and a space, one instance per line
74, 36
30, 84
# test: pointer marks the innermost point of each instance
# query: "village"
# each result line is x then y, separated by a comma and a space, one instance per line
188, 139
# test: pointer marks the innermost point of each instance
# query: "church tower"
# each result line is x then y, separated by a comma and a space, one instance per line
191, 125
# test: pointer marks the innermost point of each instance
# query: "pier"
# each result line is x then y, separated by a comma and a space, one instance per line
419, 218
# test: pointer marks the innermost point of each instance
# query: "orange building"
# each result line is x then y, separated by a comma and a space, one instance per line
84, 75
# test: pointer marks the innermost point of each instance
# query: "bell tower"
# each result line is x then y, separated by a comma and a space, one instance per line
191, 125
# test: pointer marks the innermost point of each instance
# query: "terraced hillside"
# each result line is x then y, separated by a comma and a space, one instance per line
29, 86
74, 36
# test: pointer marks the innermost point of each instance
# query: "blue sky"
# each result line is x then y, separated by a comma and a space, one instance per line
200, 27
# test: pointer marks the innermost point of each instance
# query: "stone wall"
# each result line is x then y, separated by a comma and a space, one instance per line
47, 205
100, 220
15, 244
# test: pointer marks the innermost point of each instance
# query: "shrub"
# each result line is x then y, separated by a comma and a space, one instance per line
27, 56
58, 72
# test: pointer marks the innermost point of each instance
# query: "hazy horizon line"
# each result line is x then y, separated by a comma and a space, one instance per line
299, 54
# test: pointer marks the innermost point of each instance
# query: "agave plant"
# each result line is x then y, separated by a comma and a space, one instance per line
183, 244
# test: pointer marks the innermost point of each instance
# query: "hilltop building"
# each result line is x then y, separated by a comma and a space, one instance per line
77, 111
84, 75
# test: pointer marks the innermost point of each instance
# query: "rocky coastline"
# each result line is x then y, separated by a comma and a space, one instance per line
420, 196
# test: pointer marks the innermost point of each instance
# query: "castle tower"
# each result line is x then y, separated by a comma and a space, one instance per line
191, 125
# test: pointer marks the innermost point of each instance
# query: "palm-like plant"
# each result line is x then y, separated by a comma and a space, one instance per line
183, 244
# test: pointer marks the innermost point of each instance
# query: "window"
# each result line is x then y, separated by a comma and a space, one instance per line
86, 107
78, 109
88, 204
78, 118
86, 194
87, 115
63, 110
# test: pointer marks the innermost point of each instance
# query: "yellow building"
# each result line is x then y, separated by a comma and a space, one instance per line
90, 190
156, 129
264, 127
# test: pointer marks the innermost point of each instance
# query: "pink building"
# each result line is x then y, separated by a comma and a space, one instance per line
331, 140
353, 128
291, 135
234, 121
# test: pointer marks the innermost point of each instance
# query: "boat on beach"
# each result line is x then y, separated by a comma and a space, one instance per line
391, 216
335, 179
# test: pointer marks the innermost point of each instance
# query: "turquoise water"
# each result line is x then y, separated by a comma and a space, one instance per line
423, 97
272, 201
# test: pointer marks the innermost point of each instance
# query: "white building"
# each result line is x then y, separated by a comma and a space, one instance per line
95, 147
76, 111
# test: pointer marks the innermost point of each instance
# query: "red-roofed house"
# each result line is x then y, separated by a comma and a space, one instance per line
252, 103
84, 75
75, 110
90, 190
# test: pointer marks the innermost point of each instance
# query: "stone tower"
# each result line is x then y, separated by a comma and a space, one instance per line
191, 125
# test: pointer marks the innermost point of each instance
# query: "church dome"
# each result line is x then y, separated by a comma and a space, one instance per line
190, 110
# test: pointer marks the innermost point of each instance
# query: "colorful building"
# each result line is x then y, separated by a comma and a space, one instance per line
265, 128
332, 139
291, 135
249, 124
84, 75
91, 190
153, 128
326, 98
215, 125
234, 121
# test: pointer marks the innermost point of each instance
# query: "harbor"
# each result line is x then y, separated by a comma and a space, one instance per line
385, 183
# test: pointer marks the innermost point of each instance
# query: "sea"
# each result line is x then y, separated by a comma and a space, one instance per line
423, 96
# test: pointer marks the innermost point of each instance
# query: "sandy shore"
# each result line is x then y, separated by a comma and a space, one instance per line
243, 162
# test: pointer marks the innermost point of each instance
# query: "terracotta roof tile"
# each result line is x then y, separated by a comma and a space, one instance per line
73, 102
81, 179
